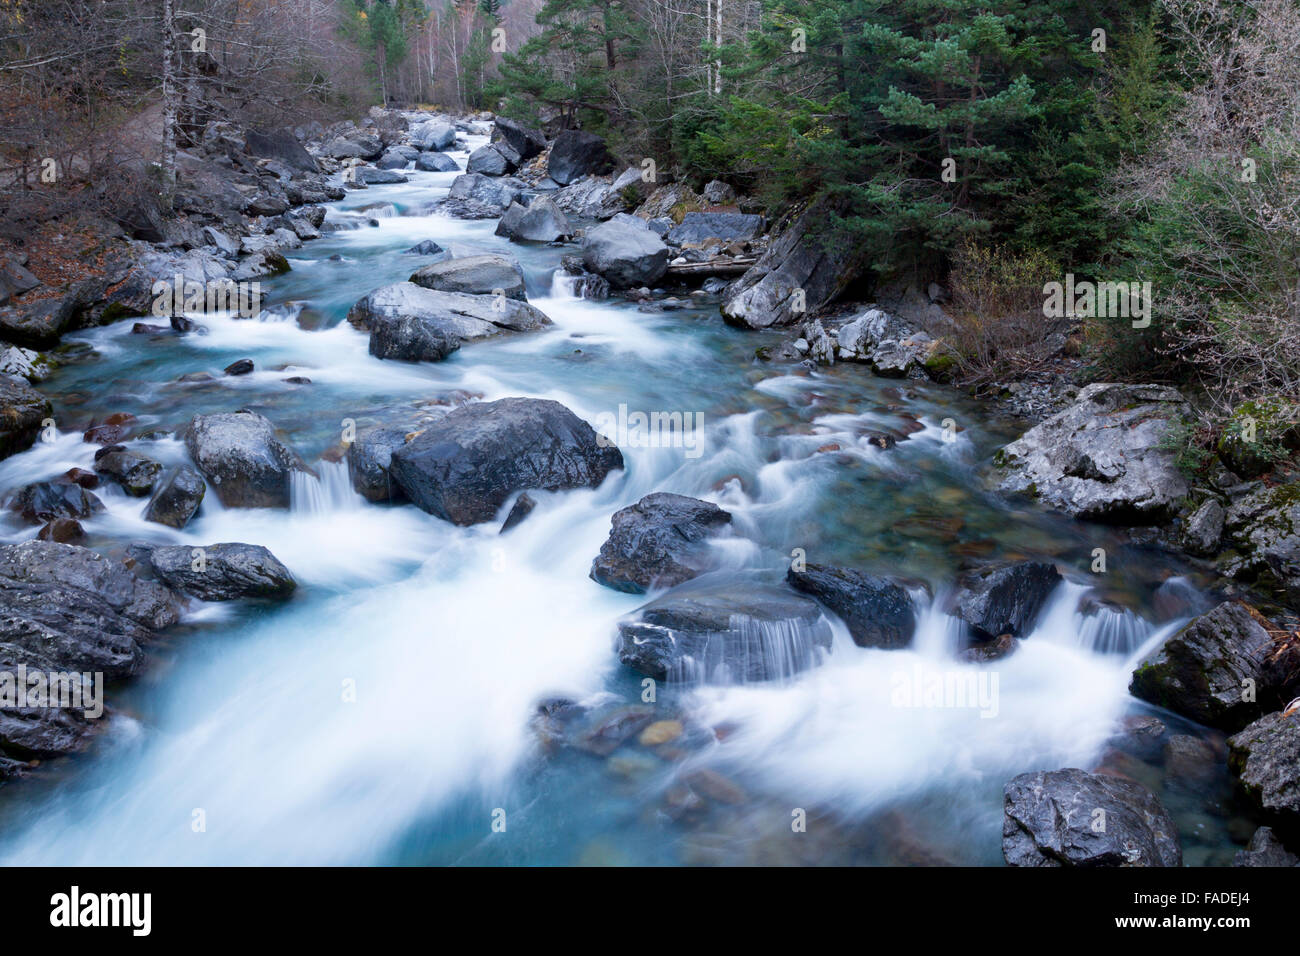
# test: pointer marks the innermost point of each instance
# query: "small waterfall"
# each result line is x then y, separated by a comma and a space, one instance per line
332, 491
752, 650
1111, 630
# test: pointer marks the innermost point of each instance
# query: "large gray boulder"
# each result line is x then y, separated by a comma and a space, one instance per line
412, 323
575, 154
1004, 599
473, 193
490, 161
726, 226
804, 265
433, 135
659, 542
465, 466
354, 146
540, 221
474, 275
22, 409
436, 163
369, 457
1223, 669
1075, 818
1104, 458
222, 572
524, 140
1265, 756
282, 146
239, 455
877, 610
589, 198
624, 255
135, 473
65, 609
44, 501
725, 631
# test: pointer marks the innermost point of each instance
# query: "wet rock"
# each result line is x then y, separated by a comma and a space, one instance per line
239, 367
78, 609
1265, 849
79, 476
494, 194
62, 530
1004, 599
1103, 458
22, 363
1141, 735
1265, 756
222, 572
433, 135
540, 221
803, 258
355, 146
575, 154
624, 255
659, 542
1002, 646
520, 510
36, 325
1202, 671
877, 610
426, 247
724, 631
368, 460
22, 409
135, 473
177, 499
111, 430
610, 731
474, 275
242, 459
45, 501
464, 466
372, 176
1049, 820
661, 732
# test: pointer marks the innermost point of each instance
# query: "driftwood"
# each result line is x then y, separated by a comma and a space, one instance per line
721, 266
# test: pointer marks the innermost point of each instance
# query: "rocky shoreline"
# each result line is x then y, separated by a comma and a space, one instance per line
1099, 454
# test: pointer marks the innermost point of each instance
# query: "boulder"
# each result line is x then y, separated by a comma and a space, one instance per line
64, 530
1262, 542
177, 498
433, 135
1104, 458
489, 161
725, 226
540, 221
1265, 756
725, 631
465, 466
659, 542
1203, 529
68, 610
241, 458
45, 501
426, 247
436, 163
15, 279
1205, 670
411, 323
524, 140
575, 154
222, 572
804, 258
1004, 599
626, 256
877, 610
135, 473
372, 176
1050, 819
282, 146
493, 194
22, 409
356, 146
589, 198
36, 325
474, 275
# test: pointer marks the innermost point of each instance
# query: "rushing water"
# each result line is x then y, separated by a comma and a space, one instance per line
384, 714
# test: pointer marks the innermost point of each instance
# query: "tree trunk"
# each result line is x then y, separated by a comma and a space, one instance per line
169, 100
